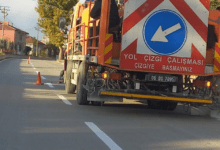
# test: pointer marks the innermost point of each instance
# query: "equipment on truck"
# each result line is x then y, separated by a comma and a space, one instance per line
157, 53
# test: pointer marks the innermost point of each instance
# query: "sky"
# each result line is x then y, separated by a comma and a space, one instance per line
23, 15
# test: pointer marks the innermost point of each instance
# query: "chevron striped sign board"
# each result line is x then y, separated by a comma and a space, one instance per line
165, 35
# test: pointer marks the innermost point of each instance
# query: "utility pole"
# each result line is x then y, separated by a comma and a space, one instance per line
4, 10
38, 29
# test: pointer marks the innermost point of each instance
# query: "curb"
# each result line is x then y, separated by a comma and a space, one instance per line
3, 57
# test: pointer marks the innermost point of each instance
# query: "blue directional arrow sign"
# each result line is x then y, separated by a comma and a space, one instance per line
165, 32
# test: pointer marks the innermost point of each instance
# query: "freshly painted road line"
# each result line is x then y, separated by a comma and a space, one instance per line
33, 67
64, 99
43, 77
37, 71
50, 85
105, 138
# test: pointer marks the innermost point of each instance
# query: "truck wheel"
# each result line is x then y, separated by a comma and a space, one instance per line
81, 95
69, 87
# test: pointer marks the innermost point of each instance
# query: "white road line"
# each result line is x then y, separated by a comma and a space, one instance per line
34, 68
43, 77
27, 73
37, 71
105, 138
50, 85
64, 99
2, 60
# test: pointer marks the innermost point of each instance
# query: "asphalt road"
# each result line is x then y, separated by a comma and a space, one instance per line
43, 117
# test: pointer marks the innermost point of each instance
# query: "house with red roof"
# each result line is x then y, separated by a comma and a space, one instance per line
30, 43
15, 35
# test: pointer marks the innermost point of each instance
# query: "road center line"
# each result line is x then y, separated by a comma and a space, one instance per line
27, 73
105, 138
64, 99
50, 85
43, 77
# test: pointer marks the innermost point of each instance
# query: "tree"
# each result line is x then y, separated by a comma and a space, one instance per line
8, 44
11, 46
214, 4
50, 11
34, 41
51, 49
4, 43
1, 45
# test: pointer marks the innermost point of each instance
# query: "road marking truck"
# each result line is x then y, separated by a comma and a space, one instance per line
163, 52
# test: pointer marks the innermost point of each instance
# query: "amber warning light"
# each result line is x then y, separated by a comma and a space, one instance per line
113, 76
208, 84
104, 75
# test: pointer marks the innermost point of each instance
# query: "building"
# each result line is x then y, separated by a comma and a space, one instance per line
30, 43
15, 35
45, 40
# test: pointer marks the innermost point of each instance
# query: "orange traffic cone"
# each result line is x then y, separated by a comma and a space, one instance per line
28, 61
38, 79
29, 57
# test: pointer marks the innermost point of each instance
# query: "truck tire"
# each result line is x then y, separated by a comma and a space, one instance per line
69, 87
81, 95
